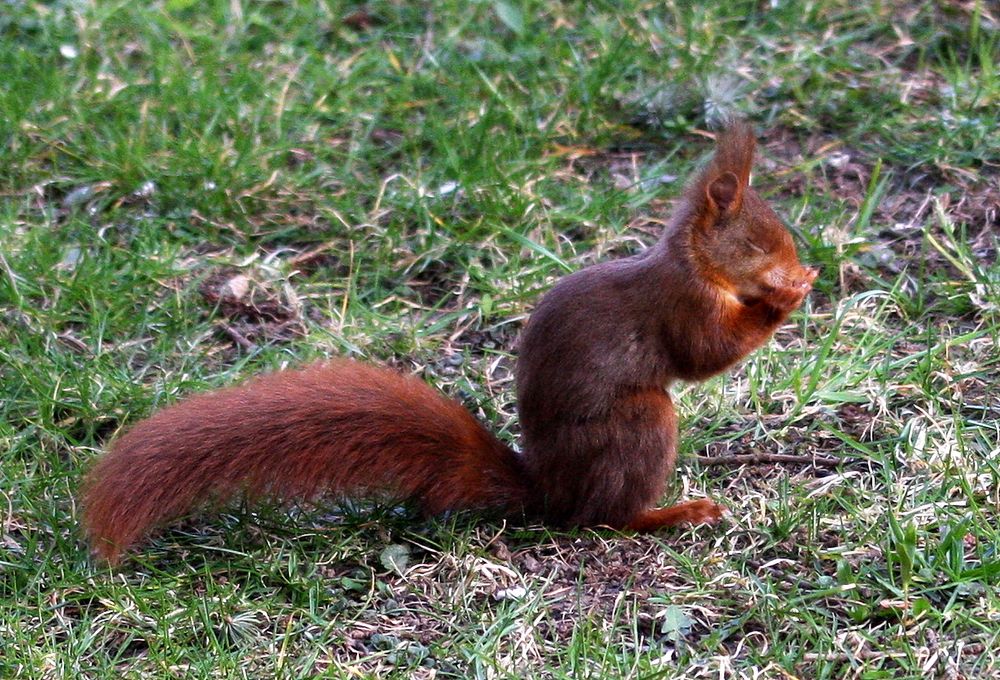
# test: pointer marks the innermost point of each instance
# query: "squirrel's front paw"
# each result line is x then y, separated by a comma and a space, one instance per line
788, 298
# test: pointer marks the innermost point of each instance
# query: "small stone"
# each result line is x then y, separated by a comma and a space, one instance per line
146, 189
514, 593
235, 288
78, 196
838, 160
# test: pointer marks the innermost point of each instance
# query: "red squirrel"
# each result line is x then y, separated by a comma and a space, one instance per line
599, 432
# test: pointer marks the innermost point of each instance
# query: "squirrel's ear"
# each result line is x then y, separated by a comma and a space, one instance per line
725, 192
728, 175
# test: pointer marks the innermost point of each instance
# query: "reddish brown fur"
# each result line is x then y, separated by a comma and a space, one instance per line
340, 427
599, 429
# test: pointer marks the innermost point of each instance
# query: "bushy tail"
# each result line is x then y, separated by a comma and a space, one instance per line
341, 428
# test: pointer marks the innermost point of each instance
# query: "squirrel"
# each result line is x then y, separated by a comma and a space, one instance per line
595, 362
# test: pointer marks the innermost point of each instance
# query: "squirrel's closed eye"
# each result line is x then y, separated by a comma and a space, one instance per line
755, 247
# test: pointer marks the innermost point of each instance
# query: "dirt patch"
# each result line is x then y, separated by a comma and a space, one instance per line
845, 173
253, 311
589, 576
481, 341
564, 580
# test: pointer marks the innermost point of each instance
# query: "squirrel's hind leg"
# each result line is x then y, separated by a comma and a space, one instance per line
701, 511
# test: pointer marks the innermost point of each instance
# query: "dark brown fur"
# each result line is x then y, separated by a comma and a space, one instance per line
599, 429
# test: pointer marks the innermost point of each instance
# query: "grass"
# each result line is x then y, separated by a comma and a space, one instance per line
197, 192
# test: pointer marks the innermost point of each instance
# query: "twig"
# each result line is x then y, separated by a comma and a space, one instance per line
239, 338
764, 458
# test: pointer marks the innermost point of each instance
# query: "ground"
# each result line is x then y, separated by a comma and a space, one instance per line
197, 192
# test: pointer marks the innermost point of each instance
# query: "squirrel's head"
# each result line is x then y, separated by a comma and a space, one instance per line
737, 241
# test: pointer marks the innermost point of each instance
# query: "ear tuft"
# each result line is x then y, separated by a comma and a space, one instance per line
724, 191
720, 187
734, 150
